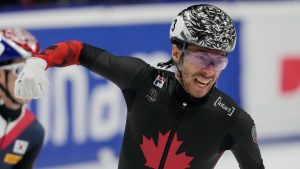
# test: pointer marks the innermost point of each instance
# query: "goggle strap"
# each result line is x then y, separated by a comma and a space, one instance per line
166, 65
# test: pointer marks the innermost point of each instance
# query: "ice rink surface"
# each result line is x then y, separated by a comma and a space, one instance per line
275, 156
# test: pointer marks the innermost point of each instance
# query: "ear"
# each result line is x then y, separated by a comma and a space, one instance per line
176, 53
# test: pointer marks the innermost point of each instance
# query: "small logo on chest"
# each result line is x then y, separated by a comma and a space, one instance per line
152, 95
20, 146
12, 159
159, 81
219, 103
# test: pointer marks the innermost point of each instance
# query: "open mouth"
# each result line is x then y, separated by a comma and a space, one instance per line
202, 82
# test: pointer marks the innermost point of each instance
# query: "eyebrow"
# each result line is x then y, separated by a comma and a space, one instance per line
211, 52
207, 51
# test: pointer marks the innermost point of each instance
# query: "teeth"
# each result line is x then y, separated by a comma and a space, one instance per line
203, 81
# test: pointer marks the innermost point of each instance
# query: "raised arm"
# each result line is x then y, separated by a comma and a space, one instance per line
33, 82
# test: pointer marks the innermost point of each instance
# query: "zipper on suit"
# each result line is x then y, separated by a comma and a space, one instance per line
172, 133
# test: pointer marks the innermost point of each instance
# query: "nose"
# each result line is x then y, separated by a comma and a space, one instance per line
210, 66
209, 70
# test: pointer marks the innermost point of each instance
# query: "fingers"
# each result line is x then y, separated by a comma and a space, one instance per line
17, 90
36, 92
32, 83
28, 87
43, 86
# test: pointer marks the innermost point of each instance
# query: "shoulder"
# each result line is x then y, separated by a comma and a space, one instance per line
35, 127
161, 73
155, 74
241, 119
225, 103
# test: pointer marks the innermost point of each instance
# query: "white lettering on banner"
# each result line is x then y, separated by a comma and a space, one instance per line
43, 112
78, 81
105, 115
107, 159
98, 117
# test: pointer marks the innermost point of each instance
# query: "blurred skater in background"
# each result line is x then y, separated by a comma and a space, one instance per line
21, 135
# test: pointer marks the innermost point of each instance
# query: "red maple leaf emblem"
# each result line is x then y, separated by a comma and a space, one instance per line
153, 153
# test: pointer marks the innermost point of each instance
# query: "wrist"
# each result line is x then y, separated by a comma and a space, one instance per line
37, 62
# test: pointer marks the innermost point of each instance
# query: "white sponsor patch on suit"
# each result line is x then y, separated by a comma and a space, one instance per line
159, 81
221, 104
20, 146
254, 134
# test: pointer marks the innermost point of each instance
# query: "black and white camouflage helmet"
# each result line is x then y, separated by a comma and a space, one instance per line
205, 26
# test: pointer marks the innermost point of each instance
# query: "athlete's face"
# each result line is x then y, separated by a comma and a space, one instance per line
201, 68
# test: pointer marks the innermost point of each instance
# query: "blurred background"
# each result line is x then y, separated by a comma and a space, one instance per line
84, 114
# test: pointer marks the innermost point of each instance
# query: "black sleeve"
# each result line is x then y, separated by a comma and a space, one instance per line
29, 158
245, 148
120, 70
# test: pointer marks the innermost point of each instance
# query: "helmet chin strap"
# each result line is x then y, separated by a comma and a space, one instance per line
9, 114
180, 63
5, 90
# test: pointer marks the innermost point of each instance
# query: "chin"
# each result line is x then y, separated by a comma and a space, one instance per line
198, 94
23, 101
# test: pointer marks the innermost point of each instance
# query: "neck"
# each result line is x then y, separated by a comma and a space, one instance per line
9, 114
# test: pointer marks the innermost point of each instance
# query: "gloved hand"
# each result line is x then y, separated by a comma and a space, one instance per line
32, 83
